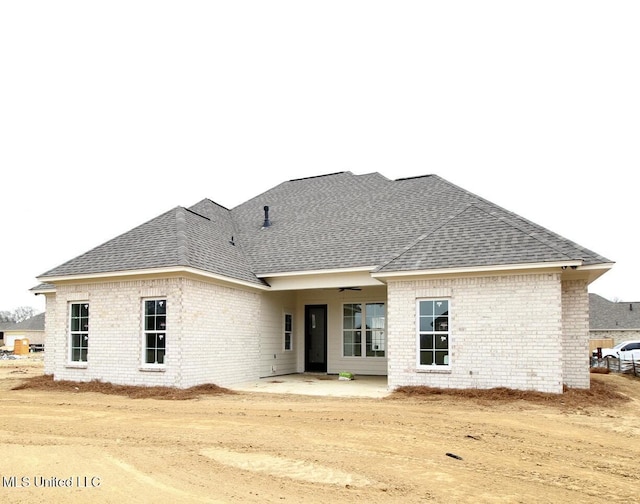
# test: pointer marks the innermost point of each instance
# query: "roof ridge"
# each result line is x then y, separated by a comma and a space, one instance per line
416, 177
514, 217
533, 235
182, 234
182, 241
211, 201
479, 207
421, 238
196, 213
319, 176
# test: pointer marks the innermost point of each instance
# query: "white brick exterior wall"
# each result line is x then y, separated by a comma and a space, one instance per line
212, 333
575, 333
221, 333
506, 331
527, 331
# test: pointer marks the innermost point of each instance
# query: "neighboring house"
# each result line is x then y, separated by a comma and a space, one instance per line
617, 321
3, 327
416, 279
31, 328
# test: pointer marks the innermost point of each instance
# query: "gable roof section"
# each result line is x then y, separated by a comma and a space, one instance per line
609, 315
177, 238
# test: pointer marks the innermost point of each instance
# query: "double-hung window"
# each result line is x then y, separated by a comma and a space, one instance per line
155, 331
78, 331
288, 331
433, 332
373, 342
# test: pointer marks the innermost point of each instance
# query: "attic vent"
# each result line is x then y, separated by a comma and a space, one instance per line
267, 222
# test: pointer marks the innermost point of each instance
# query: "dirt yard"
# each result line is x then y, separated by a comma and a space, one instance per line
76, 446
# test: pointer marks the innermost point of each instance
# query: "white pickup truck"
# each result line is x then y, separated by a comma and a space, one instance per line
626, 351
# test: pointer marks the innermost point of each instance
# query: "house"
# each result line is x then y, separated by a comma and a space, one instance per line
416, 279
31, 329
612, 321
3, 327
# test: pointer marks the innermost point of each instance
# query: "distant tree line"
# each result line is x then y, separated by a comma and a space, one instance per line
17, 315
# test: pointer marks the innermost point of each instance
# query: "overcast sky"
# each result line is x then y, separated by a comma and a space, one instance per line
113, 112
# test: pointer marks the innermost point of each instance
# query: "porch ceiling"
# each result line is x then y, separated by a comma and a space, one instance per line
322, 280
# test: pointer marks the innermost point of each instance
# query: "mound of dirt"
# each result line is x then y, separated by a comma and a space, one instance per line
47, 383
601, 393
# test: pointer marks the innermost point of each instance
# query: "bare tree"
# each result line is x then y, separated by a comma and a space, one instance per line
17, 315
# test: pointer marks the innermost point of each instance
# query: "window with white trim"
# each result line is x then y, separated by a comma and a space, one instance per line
155, 331
288, 331
374, 342
78, 332
433, 332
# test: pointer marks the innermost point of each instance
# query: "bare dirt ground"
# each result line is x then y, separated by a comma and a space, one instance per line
68, 445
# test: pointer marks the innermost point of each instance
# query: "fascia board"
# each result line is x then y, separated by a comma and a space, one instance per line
150, 272
48, 290
316, 272
479, 269
323, 280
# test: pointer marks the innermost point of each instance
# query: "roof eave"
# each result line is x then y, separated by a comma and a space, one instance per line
595, 271
322, 279
316, 272
43, 290
575, 264
179, 270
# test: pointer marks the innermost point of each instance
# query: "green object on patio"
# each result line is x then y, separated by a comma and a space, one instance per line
344, 375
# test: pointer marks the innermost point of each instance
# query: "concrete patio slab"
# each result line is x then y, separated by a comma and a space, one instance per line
318, 385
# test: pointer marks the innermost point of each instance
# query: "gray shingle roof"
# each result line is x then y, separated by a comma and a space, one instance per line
605, 314
35, 323
334, 221
474, 237
43, 287
179, 237
346, 220
6, 325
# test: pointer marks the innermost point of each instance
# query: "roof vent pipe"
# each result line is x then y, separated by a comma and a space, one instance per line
267, 222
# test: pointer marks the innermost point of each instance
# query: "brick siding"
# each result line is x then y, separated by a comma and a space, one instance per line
575, 333
211, 333
526, 331
506, 331
617, 336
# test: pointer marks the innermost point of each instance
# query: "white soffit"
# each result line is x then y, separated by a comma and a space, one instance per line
321, 279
